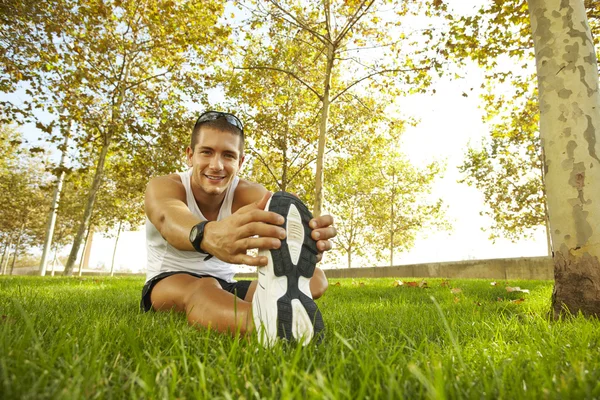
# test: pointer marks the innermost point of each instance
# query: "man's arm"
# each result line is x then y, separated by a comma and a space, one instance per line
166, 208
228, 239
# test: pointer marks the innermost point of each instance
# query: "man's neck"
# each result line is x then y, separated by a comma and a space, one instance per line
209, 205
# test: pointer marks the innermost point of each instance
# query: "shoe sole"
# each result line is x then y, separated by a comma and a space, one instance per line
295, 259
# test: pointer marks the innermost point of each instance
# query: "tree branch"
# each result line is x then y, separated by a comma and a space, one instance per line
299, 24
288, 73
385, 71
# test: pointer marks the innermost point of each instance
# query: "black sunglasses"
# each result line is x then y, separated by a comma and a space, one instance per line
214, 115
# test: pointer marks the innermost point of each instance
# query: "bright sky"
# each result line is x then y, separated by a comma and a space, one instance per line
449, 122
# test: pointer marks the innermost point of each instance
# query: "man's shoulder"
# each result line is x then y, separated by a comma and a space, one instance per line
170, 177
247, 192
165, 186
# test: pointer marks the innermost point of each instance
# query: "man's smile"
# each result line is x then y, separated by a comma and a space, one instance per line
214, 178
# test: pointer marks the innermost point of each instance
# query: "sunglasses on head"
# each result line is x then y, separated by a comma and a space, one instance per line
214, 115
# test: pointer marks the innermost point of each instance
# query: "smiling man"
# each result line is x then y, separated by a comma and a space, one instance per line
202, 222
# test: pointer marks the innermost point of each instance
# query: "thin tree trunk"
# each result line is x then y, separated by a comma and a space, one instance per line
3, 255
323, 134
392, 219
84, 252
87, 214
4, 266
567, 72
112, 265
54, 260
349, 257
88, 207
54, 209
16, 252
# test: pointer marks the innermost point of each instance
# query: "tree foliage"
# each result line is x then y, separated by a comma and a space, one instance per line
113, 68
352, 48
380, 200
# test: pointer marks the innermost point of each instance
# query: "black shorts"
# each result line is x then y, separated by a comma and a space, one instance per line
239, 288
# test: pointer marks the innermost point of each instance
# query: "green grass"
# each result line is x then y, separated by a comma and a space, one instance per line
85, 338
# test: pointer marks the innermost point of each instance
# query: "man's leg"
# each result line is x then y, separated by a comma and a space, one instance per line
318, 285
204, 302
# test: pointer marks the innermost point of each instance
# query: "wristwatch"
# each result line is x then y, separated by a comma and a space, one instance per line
196, 236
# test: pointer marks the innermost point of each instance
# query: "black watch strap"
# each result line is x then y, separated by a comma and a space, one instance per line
196, 237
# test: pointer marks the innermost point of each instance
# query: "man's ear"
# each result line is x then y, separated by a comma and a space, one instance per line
189, 153
242, 158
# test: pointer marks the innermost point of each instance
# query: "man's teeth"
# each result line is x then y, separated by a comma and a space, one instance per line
215, 178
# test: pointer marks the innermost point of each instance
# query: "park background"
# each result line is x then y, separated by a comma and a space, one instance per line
450, 117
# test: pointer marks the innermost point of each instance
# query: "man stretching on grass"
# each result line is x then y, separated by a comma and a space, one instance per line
202, 222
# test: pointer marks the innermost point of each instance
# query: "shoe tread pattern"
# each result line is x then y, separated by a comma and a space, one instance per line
283, 266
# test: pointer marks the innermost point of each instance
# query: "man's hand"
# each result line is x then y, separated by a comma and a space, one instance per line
322, 232
230, 238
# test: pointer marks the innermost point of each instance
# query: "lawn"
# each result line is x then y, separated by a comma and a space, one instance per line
85, 338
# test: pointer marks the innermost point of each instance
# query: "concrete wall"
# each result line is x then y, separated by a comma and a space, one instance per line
502, 268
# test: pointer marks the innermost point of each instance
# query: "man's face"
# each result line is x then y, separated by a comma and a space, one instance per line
215, 160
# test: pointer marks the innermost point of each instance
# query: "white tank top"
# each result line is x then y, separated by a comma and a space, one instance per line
162, 257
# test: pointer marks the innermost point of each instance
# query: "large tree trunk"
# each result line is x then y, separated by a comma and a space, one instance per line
88, 207
54, 210
323, 134
570, 116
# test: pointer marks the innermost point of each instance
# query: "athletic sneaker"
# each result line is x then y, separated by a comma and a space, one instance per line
283, 306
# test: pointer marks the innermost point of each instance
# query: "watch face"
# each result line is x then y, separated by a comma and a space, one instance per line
193, 233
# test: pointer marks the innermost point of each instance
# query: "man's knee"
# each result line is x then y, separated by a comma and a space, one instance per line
318, 283
194, 296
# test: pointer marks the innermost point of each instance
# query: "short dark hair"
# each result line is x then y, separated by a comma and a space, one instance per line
219, 124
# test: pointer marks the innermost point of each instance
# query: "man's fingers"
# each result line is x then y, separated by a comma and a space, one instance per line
259, 261
323, 220
258, 205
261, 243
263, 202
324, 245
260, 216
324, 233
263, 230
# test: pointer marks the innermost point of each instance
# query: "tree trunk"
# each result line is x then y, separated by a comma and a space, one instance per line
88, 207
16, 252
4, 255
112, 265
323, 134
4, 265
392, 219
349, 253
54, 260
83, 261
567, 72
54, 210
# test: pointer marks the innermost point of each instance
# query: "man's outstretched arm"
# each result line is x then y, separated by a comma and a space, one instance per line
228, 239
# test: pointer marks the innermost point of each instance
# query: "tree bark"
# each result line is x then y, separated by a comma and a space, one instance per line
323, 133
54, 210
567, 72
112, 265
